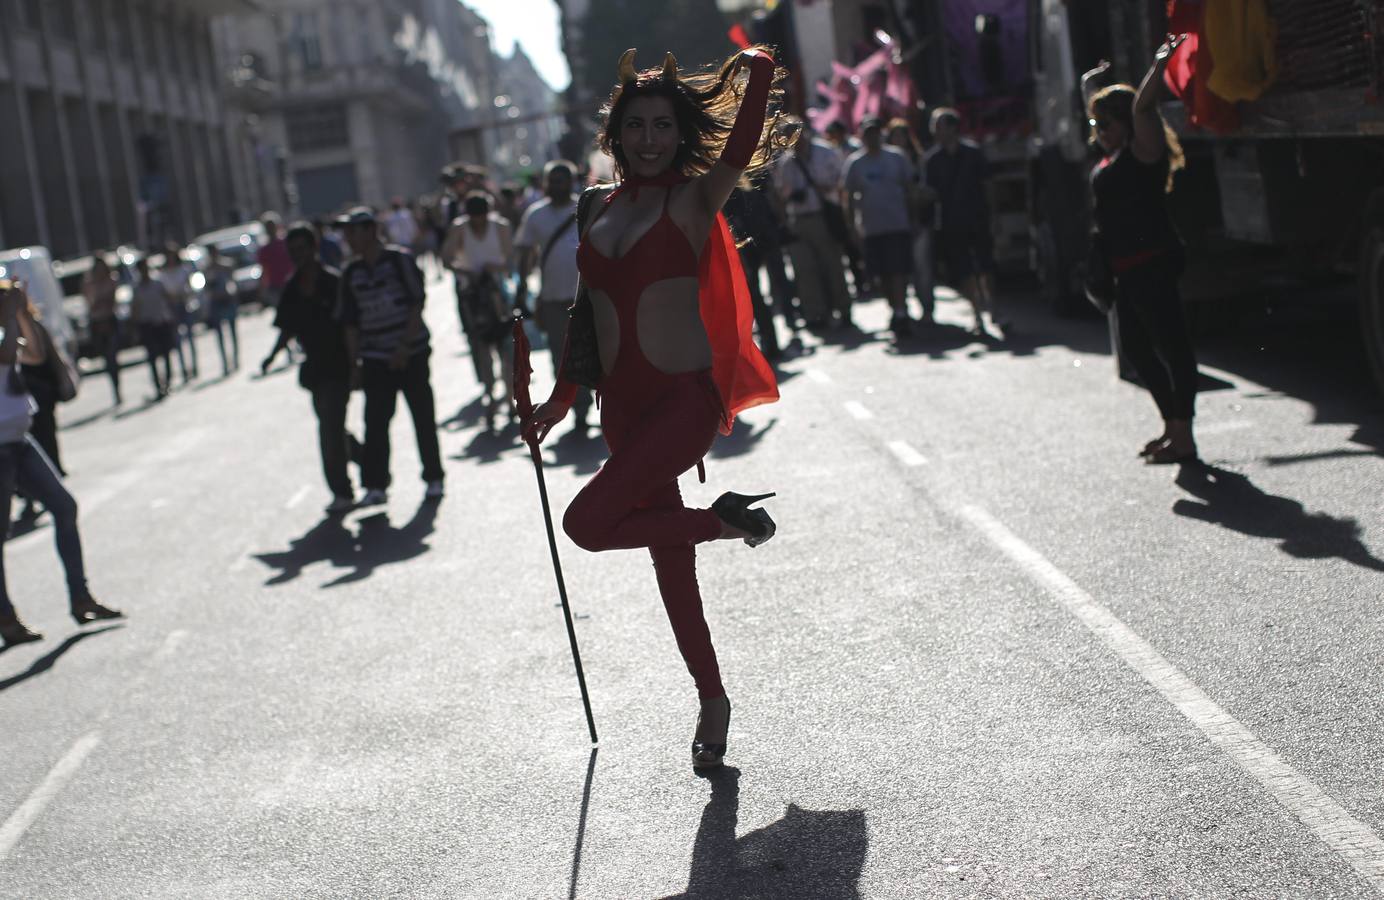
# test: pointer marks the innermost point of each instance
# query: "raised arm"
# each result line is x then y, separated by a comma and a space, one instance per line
1150, 141
715, 186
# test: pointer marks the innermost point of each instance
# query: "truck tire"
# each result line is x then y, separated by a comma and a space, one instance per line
1371, 276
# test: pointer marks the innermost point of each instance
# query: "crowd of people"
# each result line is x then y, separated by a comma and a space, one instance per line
660, 321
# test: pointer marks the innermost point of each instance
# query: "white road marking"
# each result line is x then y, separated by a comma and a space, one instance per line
858, 410
1333, 825
818, 376
28, 811
906, 454
297, 497
58, 777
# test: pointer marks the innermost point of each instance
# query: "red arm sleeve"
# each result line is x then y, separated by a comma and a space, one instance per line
749, 121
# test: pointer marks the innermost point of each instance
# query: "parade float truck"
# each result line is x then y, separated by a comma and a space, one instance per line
1283, 194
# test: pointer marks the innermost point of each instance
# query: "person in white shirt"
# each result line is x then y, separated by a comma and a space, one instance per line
401, 225
807, 178
880, 184
480, 249
548, 239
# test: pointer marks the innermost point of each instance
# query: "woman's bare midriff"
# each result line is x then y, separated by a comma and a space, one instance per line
671, 334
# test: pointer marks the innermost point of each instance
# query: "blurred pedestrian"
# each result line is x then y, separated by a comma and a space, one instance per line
548, 239
98, 287
174, 274
223, 307
879, 183
839, 137
480, 250
25, 468
507, 204
1141, 247
758, 227
808, 178
39, 362
381, 309
151, 309
957, 171
330, 249
899, 133
400, 226
307, 313
275, 266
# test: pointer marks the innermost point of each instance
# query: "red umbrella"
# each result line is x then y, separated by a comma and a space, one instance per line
522, 401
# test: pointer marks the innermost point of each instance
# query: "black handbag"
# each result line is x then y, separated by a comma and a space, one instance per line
581, 360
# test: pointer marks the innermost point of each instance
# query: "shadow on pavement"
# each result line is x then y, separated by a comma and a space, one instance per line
375, 543
807, 853
581, 825
45, 662
1233, 501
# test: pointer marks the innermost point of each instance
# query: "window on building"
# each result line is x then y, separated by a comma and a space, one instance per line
317, 128
307, 40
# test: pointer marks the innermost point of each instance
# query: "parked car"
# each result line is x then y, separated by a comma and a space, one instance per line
240, 245
71, 274
34, 267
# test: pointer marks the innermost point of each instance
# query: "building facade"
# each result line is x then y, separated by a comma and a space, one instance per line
357, 101
117, 130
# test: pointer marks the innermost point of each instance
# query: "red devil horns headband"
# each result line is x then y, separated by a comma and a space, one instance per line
628, 75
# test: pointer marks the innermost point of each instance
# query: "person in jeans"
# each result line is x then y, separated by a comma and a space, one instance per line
381, 308
548, 238
25, 468
307, 312
175, 274
807, 178
152, 311
99, 289
223, 308
879, 183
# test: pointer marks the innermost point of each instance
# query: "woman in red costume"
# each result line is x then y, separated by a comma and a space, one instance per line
673, 320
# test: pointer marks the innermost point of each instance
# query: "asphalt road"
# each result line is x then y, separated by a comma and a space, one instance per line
989, 653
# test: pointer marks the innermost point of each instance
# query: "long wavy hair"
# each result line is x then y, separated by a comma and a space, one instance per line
1116, 102
705, 102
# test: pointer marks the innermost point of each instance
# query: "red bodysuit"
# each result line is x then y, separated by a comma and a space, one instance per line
658, 425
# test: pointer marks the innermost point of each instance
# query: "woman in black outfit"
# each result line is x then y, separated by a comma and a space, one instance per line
1137, 238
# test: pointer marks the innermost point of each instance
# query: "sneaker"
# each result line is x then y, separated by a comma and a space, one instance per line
374, 497
341, 503
434, 490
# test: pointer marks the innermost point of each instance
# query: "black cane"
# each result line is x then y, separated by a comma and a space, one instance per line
561, 585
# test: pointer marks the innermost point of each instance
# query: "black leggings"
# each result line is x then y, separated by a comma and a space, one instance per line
1155, 340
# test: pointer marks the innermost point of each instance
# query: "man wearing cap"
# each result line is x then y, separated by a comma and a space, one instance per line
879, 184
381, 308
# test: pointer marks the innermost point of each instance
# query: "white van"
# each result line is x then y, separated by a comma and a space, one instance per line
34, 267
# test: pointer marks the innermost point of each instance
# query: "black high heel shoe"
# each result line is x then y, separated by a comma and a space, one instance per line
734, 509
706, 755
14, 632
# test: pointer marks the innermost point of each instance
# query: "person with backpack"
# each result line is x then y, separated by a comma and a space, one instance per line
548, 237
387, 346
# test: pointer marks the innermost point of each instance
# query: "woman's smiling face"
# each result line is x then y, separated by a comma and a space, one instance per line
649, 135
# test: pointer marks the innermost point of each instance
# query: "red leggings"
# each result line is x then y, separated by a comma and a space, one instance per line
656, 428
